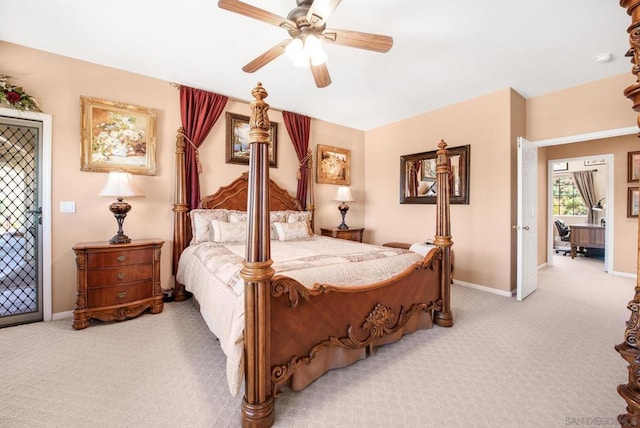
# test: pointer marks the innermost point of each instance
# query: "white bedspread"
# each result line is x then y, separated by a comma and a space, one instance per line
211, 272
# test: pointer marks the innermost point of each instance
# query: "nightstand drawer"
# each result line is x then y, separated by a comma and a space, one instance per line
119, 258
118, 294
119, 275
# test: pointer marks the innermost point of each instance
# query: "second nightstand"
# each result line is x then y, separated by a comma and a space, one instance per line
351, 234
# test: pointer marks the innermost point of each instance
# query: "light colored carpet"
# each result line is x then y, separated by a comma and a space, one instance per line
545, 362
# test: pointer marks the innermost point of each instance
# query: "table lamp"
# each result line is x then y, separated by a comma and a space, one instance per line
598, 206
119, 186
343, 195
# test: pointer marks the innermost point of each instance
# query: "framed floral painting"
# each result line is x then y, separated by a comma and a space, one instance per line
117, 136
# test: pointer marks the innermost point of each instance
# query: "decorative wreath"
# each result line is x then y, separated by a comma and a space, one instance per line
15, 96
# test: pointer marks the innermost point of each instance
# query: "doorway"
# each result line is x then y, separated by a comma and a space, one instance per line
21, 286
601, 170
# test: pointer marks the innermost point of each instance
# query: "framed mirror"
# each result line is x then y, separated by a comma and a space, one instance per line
418, 176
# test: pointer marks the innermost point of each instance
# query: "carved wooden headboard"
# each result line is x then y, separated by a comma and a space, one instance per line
234, 197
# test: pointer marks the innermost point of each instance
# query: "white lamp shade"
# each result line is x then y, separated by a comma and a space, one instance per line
343, 194
119, 185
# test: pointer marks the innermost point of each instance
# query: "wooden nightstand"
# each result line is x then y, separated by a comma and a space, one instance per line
351, 234
117, 281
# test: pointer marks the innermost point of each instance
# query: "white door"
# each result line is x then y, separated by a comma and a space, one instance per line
527, 272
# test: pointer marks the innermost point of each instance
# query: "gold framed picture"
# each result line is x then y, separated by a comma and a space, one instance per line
633, 167
117, 136
237, 147
333, 165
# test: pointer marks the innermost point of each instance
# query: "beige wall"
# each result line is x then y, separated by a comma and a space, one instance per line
593, 107
58, 82
481, 230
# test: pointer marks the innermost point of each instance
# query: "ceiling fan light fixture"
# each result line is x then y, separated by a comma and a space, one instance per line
294, 49
313, 50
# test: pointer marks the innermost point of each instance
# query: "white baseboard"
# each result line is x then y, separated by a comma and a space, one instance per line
62, 315
625, 274
485, 289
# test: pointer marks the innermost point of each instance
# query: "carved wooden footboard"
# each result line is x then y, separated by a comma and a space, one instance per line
313, 331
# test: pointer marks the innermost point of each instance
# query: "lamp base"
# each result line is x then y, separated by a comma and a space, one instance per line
120, 210
343, 212
120, 238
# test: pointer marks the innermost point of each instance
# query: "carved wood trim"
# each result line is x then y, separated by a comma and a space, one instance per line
376, 323
629, 349
282, 285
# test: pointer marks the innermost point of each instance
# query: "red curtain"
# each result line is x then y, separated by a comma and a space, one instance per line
199, 110
298, 127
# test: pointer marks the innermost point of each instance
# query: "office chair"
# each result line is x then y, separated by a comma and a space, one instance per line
565, 236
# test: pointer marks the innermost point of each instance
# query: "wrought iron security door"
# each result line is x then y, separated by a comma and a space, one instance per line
20, 222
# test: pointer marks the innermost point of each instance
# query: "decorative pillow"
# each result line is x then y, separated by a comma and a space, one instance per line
304, 216
226, 232
292, 231
201, 224
237, 216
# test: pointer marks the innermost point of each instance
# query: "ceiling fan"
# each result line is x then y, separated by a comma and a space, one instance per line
306, 25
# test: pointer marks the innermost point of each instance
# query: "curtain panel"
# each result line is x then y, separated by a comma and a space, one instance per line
298, 127
584, 183
199, 111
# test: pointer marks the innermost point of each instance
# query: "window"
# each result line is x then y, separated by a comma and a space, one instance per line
566, 198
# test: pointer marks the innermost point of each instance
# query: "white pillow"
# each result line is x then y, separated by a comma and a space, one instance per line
304, 216
237, 216
274, 217
201, 224
292, 231
226, 232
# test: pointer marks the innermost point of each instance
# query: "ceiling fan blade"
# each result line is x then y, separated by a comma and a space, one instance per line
257, 13
321, 75
356, 39
266, 57
320, 10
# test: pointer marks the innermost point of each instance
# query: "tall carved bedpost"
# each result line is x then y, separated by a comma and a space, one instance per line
630, 348
443, 317
310, 203
180, 210
258, 404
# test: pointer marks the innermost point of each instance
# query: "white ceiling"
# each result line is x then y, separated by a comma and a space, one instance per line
444, 51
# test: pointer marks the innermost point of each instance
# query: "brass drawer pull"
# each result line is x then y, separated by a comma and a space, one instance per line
121, 258
120, 275
122, 295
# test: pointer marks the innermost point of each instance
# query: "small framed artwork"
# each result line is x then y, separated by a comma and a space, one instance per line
237, 147
561, 166
333, 165
593, 162
633, 167
633, 201
117, 136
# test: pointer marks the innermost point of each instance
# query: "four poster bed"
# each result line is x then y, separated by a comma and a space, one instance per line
319, 303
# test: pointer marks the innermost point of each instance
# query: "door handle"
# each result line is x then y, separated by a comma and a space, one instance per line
38, 212
526, 228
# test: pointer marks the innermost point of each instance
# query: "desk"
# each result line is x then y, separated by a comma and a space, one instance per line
586, 235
